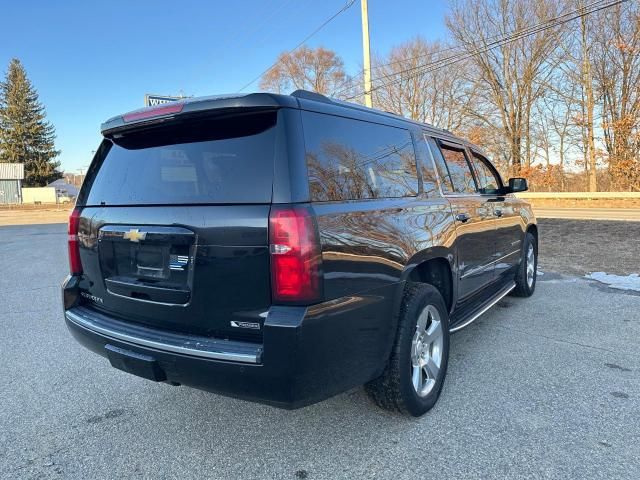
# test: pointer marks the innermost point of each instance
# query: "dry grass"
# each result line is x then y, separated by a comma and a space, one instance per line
577, 247
32, 206
584, 202
37, 215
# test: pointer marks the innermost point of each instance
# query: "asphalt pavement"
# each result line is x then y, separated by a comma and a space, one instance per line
546, 387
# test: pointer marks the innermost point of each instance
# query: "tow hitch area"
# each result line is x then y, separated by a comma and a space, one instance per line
135, 363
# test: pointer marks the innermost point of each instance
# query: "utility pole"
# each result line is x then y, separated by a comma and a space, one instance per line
366, 53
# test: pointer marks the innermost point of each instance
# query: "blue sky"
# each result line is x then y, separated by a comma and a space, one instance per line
92, 60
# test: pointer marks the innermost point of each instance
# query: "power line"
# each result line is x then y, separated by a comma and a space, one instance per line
450, 60
262, 39
495, 41
447, 61
491, 39
324, 24
241, 30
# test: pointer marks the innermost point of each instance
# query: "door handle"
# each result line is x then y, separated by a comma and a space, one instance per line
462, 217
497, 213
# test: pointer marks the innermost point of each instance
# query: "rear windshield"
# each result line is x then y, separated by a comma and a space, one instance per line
226, 160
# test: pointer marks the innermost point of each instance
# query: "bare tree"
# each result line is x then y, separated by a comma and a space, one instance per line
540, 104
511, 77
319, 70
405, 85
589, 101
617, 76
557, 108
570, 101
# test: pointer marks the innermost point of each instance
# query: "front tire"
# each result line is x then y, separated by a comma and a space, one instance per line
527, 270
413, 378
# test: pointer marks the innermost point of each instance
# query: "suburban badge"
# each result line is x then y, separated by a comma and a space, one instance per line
252, 325
93, 298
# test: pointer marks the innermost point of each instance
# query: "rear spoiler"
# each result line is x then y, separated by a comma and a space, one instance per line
190, 106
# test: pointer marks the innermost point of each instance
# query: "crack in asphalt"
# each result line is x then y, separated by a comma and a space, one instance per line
34, 289
83, 429
567, 342
30, 462
2, 312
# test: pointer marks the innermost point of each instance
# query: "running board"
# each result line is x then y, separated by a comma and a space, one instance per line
485, 306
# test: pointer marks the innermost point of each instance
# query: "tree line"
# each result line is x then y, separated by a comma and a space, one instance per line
25, 134
550, 89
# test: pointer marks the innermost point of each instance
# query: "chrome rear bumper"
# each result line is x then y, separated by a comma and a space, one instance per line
203, 347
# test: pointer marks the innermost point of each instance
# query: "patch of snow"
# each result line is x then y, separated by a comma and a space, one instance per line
630, 282
539, 273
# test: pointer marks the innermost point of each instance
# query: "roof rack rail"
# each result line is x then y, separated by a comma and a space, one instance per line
318, 97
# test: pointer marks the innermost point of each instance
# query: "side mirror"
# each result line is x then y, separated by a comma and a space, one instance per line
517, 184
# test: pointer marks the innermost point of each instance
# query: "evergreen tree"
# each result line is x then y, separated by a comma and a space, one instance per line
25, 135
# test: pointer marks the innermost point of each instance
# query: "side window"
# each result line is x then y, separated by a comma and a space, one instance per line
488, 179
459, 169
427, 168
351, 159
441, 167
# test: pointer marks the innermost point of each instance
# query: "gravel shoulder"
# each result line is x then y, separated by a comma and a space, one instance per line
34, 216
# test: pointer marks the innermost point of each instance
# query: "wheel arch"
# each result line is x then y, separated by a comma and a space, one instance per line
434, 267
418, 269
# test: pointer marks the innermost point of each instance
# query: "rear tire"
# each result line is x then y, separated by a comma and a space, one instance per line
528, 269
413, 378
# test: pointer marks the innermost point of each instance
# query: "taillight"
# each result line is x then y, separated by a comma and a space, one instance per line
75, 266
295, 256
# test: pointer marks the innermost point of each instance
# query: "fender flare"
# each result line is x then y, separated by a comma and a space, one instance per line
418, 258
426, 255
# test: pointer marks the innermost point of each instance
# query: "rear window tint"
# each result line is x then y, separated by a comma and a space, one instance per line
350, 159
226, 160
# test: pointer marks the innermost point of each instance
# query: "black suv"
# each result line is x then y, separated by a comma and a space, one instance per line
286, 248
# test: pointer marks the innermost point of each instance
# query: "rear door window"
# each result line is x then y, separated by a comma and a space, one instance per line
488, 179
350, 159
426, 165
223, 161
459, 169
441, 166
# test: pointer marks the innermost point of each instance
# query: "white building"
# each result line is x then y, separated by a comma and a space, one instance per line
11, 176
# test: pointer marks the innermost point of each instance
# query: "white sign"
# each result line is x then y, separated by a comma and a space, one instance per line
153, 100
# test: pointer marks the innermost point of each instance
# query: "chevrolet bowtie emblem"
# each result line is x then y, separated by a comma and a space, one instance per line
134, 235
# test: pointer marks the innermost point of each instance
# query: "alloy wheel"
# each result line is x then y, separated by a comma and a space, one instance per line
426, 351
531, 265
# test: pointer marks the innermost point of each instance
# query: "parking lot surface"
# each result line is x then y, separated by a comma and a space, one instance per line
546, 387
